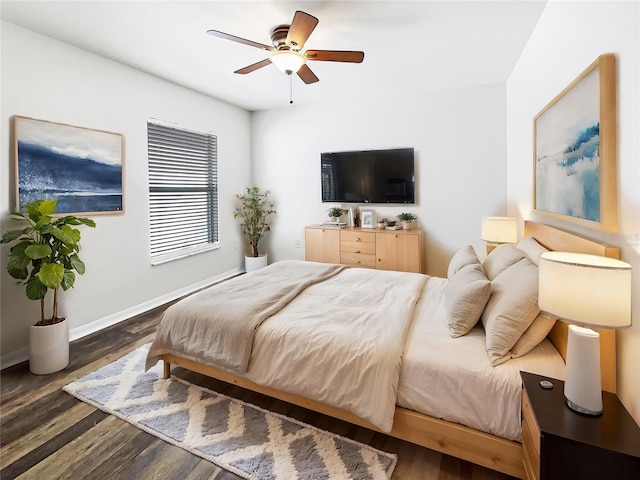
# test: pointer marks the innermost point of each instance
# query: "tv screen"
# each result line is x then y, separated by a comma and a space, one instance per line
372, 176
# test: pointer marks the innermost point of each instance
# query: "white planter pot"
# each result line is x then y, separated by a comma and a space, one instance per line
48, 348
255, 263
407, 225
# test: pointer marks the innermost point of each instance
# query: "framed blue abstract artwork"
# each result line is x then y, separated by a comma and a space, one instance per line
79, 167
575, 150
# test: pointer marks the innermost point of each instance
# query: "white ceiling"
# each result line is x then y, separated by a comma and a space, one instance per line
410, 46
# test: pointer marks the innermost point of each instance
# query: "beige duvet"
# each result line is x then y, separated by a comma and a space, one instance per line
339, 341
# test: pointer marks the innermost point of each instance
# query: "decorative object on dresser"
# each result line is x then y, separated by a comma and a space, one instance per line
401, 250
585, 290
335, 213
45, 258
575, 173
407, 220
255, 211
352, 217
561, 444
368, 218
498, 230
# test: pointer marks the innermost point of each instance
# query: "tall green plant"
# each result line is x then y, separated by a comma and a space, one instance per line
255, 210
46, 253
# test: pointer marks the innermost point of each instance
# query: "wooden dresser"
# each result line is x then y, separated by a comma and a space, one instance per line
400, 250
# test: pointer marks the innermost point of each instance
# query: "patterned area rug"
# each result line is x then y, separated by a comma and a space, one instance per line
244, 439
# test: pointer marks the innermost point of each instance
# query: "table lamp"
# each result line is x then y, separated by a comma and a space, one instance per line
498, 230
585, 290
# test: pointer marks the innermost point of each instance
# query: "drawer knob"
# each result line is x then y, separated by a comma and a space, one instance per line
357, 251
358, 239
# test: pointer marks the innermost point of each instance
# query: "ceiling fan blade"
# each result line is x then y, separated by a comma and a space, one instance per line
300, 29
334, 56
306, 75
253, 67
244, 41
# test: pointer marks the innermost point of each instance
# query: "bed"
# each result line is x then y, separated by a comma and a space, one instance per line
417, 398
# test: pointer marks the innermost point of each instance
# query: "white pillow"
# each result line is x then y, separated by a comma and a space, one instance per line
511, 309
466, 294
464, 256
537, 332
531, 248
501, 258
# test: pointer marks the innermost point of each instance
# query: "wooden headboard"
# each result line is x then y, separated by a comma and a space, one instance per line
559, 240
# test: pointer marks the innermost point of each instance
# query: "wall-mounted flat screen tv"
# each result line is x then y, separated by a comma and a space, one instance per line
371, 176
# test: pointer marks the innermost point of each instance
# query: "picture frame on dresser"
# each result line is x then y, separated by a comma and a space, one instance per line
574, 145
368, 218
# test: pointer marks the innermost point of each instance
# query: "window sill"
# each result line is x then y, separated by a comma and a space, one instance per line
187, 252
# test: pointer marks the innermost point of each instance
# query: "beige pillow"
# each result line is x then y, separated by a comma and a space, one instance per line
531, 248
466, 294
537, 332
464, 256
511, 309
501, 258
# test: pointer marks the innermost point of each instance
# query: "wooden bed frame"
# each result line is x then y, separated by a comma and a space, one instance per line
450, 438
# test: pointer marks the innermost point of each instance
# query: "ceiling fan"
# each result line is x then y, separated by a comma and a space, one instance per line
288, 41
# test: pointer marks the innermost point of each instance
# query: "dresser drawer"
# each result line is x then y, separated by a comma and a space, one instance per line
358, 259
358, 247
359, 237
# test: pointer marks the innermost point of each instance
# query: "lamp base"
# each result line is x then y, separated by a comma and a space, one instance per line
577, 408
582, 389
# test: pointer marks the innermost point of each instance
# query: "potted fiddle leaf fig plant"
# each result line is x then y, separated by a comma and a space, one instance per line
407, 220
44, 258
254, 210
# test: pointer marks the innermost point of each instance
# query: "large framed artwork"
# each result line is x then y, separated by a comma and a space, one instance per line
79, 167
575, 150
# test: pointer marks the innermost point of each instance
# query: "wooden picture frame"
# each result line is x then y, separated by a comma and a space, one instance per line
80, 167
368, 219
574, 161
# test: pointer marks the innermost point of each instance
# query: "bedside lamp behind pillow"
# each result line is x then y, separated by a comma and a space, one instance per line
585, 290
498, 230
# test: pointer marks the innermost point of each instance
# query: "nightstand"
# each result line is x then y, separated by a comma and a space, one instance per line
559, 443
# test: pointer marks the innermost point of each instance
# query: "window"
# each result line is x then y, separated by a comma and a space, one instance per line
183, 191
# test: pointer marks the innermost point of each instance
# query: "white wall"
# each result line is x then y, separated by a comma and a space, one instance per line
49, 80
568, 37
459, 139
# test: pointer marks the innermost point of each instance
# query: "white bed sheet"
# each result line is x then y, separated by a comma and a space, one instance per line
451, 378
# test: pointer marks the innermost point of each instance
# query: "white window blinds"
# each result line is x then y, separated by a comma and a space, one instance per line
183, 191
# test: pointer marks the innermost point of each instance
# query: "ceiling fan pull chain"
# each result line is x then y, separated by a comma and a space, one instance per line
290, 90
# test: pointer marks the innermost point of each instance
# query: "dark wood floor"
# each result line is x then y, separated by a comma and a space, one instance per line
46, 433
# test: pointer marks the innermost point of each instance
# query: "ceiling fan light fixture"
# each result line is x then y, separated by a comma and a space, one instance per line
288, 61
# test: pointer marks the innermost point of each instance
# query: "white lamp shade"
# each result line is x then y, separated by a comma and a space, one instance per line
499, 230
585, 289
288, 61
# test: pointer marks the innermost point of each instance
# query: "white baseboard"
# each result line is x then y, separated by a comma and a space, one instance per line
22, 354
15, 357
